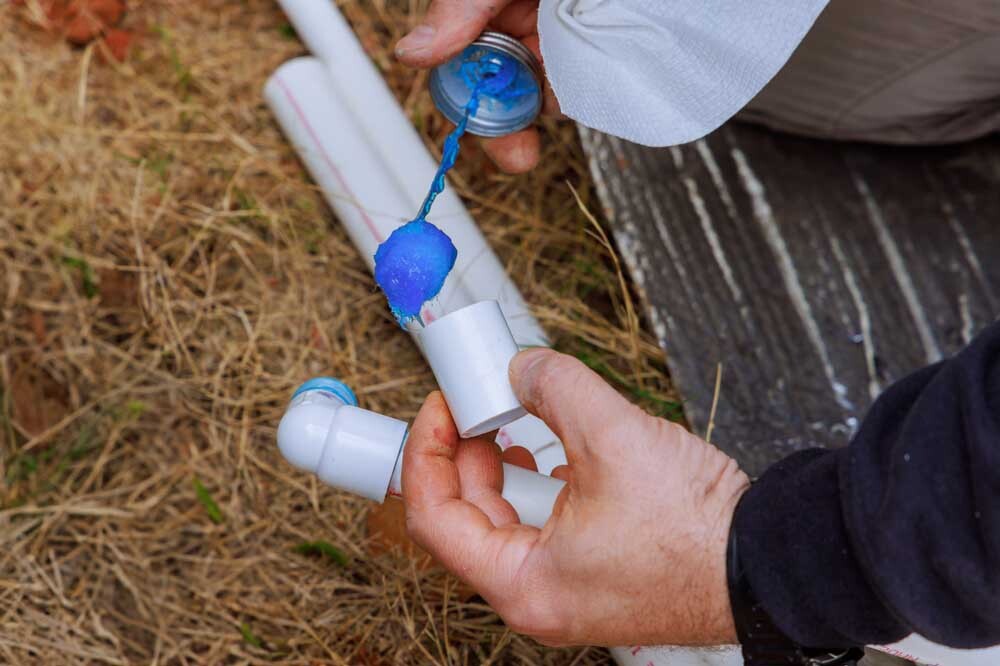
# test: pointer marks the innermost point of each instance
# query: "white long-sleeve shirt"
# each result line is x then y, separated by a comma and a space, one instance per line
665, 72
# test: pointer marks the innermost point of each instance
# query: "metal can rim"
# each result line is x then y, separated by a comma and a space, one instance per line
455, 111
512, 47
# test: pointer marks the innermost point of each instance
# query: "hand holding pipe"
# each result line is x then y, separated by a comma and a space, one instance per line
324, 432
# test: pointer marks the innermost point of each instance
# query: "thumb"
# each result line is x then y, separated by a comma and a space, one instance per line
571, 398
450, 26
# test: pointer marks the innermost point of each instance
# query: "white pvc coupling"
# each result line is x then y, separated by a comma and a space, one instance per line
469, 351
347, 447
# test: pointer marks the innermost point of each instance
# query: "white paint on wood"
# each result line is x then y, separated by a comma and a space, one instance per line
701, 212
677, 156
971, 258
968, 325
765, 218
864, 317
900, 272
625, 233
708, 159
659, 221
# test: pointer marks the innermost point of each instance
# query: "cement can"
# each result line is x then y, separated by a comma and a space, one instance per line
508, 76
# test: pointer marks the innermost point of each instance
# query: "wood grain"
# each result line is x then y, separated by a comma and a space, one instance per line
817, 273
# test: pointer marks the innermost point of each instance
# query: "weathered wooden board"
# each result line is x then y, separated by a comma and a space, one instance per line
816, 273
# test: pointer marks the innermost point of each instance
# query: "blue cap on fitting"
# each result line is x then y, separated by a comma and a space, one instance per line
330, 385
508, 77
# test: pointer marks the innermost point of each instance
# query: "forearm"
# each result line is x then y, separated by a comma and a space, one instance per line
900, 531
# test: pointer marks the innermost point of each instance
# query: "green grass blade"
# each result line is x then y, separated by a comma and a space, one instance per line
322, 549
205, 497
249, 636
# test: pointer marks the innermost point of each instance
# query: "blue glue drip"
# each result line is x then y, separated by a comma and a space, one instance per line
412, 264
449, 155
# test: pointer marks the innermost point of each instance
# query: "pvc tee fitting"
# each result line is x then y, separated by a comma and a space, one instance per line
470, 351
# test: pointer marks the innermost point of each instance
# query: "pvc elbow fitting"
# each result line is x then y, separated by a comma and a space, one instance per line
325, 433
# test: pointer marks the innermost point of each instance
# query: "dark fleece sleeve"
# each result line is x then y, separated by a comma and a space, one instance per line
898, 532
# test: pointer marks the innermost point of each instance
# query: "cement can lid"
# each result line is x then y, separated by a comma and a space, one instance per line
510, 75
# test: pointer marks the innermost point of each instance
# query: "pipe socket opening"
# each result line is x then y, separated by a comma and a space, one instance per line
494, 423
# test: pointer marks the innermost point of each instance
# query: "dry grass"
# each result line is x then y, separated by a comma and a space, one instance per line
167, 275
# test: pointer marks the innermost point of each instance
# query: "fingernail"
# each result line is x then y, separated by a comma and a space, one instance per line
521, 365
418, 40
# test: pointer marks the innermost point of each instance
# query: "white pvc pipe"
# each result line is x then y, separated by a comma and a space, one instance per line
469, 351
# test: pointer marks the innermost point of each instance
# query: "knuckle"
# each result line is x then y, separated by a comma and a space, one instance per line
630, 424
418, 529
553, 372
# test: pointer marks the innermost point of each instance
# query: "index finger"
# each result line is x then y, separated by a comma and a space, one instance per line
454, 531
449, 528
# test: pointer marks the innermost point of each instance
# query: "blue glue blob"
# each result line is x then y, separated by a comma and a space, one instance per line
412, 264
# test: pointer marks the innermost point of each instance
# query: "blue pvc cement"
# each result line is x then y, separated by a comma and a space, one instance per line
412, 264
330, 385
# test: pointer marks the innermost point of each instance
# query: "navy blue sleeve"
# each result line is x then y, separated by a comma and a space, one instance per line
898, 532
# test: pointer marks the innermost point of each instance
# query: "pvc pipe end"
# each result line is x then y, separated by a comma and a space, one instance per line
330, 385
303, 430
498, 421
470, 351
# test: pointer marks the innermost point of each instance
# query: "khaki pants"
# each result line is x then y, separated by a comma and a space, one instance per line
893, 71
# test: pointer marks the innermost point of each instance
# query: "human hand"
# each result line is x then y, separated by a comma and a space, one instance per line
634, 553
450, 26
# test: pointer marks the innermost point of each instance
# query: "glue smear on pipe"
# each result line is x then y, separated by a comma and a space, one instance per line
412, 265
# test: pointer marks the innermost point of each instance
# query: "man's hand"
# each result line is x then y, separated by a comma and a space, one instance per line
634, 553
450, 26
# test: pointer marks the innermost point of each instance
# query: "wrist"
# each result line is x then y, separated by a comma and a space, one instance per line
712, 619
762, 642
724, 625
